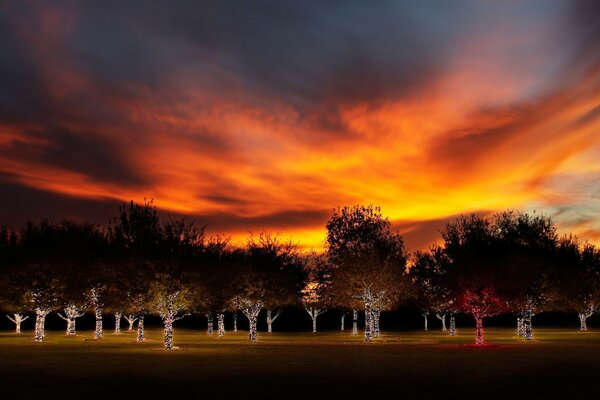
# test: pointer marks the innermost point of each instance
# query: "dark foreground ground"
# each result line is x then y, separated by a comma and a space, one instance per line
559, 363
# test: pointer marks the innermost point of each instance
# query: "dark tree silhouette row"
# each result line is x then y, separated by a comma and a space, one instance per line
140, 265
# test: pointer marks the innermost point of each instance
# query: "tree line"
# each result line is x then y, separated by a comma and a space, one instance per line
140, 265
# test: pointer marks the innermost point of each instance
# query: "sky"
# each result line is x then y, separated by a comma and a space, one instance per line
266, 115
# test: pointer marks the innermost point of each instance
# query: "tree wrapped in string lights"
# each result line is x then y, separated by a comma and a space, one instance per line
433, 293
576, 279
169, 297
368, 262
71, 313
95, 300
17, 319
267, 271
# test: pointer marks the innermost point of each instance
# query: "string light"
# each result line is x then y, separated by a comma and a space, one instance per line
72, 312
271, 319
131, 320
250, 309
354, 322
118, 316
221, 324
17, 319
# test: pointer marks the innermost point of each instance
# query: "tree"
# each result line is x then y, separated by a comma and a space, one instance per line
267, 273
316, 296
576, 279
368, 261
528, 243
168, 297
433, 294
474, 269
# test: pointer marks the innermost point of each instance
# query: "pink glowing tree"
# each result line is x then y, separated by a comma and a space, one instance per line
481, 303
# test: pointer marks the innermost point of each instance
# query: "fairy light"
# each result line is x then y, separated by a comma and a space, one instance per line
141, 336
271, 319
354, 322
71, 313
118, 316
442, 317
17, 319
584, 315
94, 297
452, 324
210, 328
250, 308
221, 324
168, 307
131, 320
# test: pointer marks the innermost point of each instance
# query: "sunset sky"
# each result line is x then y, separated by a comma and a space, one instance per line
252, 115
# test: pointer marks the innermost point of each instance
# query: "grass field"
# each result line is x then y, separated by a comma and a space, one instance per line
559, 363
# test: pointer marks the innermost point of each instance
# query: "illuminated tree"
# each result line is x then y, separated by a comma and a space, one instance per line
528, 243
474, 269
368, 261
576, 279
131, 318
17, 319
169, 297
95, 300
433, 294
316, 293
71, 313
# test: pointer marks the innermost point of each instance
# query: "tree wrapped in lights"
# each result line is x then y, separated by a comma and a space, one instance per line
71, 313
433, 293
17, 319
368, 262
271, 319
250, 308
43, 299
528, 244
169, 297
95, 300
130, 318
474, 269
576, 279
316, 294
267, 271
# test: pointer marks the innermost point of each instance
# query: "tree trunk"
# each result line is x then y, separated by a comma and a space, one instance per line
252, 335
479, 331
140, 331
368, 322
425, 314
131, 320
118, 316
98, 333
452, 325
527, 328
442, 317
210, 328
40, 322
221, 324
71, 329
235, 321
343, 317
313, 313
519, 327
168, 333
376, 317
269, 322
583, 322
354, 322
17, 320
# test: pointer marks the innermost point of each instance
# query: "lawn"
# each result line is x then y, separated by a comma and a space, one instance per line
559, 363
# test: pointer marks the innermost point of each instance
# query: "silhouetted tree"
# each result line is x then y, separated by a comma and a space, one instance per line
368, 261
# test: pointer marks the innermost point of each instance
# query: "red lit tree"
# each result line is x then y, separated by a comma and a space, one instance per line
474, 269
